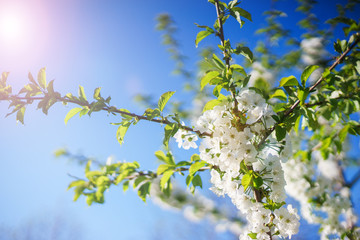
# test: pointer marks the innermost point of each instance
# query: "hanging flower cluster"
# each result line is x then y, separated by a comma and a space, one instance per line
248, 173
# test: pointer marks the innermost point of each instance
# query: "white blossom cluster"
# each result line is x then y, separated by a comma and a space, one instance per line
322, 199
235, 135
260, 72
313, 52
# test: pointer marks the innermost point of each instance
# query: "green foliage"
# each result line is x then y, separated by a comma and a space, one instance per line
164, 99
289, 81
203, 34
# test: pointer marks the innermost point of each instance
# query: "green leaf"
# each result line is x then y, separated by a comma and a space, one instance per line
238, 68
343, 133
280, 132
279, 94
121, 131
77, 183
83, 112
203, 34
196, 166
139, 180
252, 235
302, 95
170, 131
257, 182
196, 181
165, 158
164, 99
242, 12
31, 78
246, 180
207, 78
72, 113
245, 51
97, 95
211, 104
163, 168
50, 87
218, 62
165, 178
20, 115
306, 73
297, 124
289, 81
42, 78
125, 186
82, 95
144, 190
195, 157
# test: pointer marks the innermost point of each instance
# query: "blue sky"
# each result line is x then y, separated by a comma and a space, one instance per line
114, 45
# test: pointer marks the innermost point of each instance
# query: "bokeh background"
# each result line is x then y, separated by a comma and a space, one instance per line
114, 45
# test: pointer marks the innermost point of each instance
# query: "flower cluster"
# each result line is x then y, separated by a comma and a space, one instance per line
246, 172
323, 200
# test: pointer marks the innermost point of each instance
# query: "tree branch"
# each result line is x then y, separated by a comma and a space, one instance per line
291, 109
109, 109
354, 180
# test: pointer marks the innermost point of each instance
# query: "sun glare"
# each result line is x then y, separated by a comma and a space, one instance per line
11, 27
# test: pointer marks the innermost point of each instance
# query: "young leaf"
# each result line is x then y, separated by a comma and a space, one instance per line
97, 95
196, 181
165, 158
203, 34
120, 134
246, 52
279, 94
343, 132
289, 81
238, 68
170, 131
163, 168
164, 99
207, 78
71, 113
196, 166
307, 72
211, 104
242, 12
20, 115
165, 178
144, 190
42, 78
218, 62
82, 95
246, 180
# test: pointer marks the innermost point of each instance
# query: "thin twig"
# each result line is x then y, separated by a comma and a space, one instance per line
110, 109
291, 109
225, 54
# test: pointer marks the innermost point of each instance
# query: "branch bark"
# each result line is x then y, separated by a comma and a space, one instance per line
109, 109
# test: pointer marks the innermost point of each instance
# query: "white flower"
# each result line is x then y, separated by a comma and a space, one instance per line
185, 139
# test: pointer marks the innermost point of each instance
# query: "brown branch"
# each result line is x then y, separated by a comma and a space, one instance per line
110, 109
291, 109
354, 180
225, 53
338, 98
